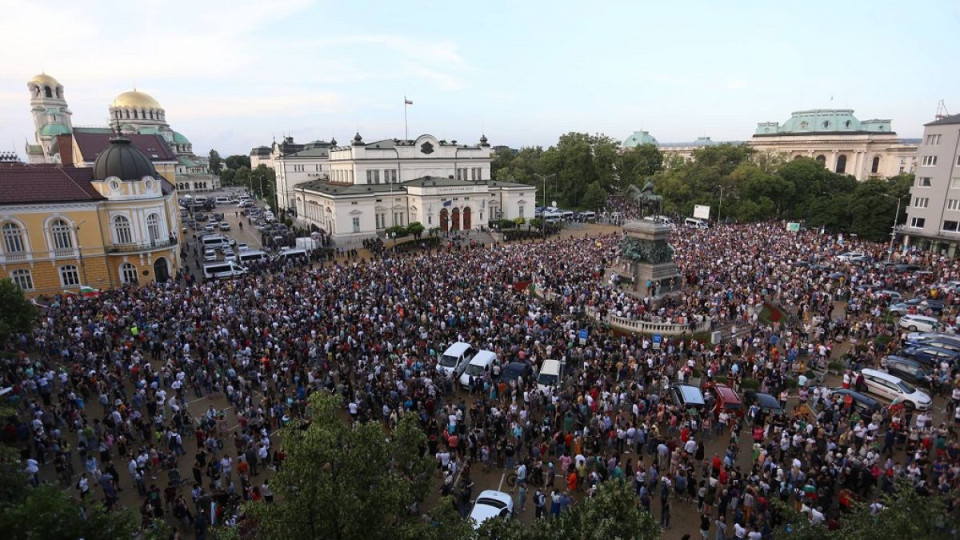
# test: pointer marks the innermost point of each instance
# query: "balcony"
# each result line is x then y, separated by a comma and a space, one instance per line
146, 246
14, 257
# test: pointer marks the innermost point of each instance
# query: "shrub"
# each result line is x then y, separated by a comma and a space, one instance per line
519, 221
399, 230
836, 366
750, 384
791, 383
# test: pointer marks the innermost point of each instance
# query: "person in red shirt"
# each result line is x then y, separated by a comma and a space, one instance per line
572, 481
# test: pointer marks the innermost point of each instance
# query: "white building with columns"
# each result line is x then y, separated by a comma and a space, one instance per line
440, 184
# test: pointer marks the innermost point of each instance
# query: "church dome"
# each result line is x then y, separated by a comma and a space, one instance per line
123, 160
638, 138
44, 79
136, 100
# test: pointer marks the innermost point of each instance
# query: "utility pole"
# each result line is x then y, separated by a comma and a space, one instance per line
543, 221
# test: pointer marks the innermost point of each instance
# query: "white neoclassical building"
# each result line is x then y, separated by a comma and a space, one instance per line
440, 184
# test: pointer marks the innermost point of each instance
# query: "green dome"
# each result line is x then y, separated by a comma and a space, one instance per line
178, 138
639, 138
823, 121
49, 130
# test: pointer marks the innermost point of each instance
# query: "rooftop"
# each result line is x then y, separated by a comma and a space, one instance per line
816, 121
946, 120
45, 183
155, 147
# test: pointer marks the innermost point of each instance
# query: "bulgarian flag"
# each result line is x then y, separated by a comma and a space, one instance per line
86, 291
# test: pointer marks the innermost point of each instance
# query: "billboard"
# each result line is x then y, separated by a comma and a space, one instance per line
793, 227
702, 212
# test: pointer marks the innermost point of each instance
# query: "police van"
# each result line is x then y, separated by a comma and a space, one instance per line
225, 269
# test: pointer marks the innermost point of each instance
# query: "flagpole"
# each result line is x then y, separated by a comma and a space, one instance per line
406, 132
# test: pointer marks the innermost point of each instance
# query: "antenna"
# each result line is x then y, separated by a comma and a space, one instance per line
942, 111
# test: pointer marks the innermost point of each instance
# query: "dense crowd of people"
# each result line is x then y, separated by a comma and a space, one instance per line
105, 386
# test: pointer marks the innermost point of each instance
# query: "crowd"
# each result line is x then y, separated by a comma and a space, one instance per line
104, 386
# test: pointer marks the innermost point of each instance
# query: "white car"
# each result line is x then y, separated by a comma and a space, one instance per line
491, 504
242, 246
229, 255
892, 388
919, 323
224, 226
850, 255
209, 255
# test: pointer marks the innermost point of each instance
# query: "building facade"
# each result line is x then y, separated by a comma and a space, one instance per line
864, 149
439, 184
64, 227
131, 113
933, 213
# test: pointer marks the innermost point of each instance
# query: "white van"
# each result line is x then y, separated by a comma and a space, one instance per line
222, 200
214, 241
552, 217
919, 323
251, 256
481, 362
453, 360
696, 223
891, 387
549, 377
297, 255
224, 269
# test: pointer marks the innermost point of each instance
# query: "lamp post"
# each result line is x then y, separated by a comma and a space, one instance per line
543, 221
893, 229
83, 267
720, 206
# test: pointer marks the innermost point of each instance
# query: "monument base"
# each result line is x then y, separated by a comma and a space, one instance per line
654, 275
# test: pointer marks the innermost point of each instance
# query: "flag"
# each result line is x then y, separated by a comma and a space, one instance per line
407, 101
448, 203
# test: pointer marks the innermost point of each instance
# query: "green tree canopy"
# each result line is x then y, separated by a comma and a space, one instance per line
236, 161
216, 162
594, 198
18, 314
346, 481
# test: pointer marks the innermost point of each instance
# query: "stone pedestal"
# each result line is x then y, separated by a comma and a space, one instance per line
649, 260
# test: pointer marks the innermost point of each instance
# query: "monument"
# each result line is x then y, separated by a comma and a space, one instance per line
646, 256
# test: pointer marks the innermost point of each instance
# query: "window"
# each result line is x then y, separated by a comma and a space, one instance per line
128, 274
950, 226
876, 165
69, 276
430, 219
13, 239
356, 224
841, 164
933, 139
923, 181
953, 204
918, 222
921, 202
121, 229
928, 161
376, 176
955, 182
521, 210
822, 158
22, 279
62, 239
153, 227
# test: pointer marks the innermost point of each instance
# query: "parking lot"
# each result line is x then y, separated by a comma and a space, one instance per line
193, 260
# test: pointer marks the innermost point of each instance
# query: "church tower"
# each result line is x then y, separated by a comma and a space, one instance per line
51, 117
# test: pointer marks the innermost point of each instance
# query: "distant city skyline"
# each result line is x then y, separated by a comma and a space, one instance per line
232, 75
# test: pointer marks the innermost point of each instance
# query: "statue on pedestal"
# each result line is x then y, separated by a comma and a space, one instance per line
646, 198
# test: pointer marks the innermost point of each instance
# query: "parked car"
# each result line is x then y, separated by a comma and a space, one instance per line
929, 355
920, 323
888, 295
849, 255
687, 396
515, 370
209, 255
242, 246
455, 359
907, 369
949, 343
865, 404
767, 403
721, 397
894, 388
224, 226
209, 227
229, 255
491, 504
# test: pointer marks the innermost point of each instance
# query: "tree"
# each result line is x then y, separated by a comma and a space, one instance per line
216, 162
236, 161
594, 198
18, 314
638, 164
416, 229
49, 513
346, 481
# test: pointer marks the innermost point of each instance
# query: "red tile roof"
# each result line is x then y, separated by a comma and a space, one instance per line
154, 147
30, 184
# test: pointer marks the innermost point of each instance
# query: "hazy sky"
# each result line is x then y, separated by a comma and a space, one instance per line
233, 74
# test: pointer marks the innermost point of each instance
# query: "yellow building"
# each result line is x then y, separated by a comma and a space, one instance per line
65, 227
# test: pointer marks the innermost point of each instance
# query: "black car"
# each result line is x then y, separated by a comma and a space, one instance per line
929, 355
864, 403
907, 369
515, 370
767, 403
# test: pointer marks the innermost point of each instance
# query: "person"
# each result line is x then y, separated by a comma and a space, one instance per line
705, 526
539, 501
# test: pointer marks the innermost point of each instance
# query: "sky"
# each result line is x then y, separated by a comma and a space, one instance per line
234, 74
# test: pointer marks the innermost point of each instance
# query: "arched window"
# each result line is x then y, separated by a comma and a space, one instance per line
822, 158
876, 165
841, 164
153, 227
121, 229
128, 274
60, 234
135, 117
60, 92
47, 92
22, 279
13, 243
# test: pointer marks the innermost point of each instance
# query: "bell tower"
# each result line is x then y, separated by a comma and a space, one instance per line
51, 117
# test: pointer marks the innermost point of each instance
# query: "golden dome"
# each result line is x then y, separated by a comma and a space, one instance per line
135, 100
44, 79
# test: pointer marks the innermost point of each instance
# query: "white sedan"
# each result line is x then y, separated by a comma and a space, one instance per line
491, 504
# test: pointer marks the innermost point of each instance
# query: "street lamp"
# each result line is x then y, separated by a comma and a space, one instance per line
720, 206
543, 222
893, 229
